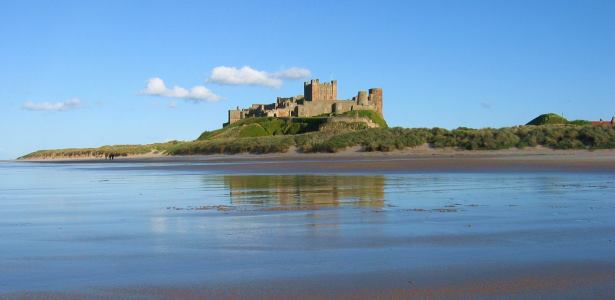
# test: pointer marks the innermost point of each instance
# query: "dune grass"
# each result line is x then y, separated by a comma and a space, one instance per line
101, 152
387, 139
257, 145
372, 139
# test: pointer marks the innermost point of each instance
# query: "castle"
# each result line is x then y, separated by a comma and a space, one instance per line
317, 99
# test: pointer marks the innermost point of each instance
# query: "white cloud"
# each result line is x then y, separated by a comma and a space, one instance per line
53, 106
201, 92
157, 87
243, 76
249, 76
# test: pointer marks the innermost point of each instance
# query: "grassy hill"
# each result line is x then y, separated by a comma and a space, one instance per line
266, 126
548, 119
270, 126
555, 119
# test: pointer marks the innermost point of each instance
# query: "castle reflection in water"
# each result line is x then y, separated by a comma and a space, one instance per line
306, 190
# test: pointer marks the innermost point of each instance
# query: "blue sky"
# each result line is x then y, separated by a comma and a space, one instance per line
73, 73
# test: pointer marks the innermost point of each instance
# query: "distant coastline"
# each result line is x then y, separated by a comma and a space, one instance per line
295, 136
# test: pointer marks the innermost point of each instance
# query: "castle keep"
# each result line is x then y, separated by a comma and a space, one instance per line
317, 99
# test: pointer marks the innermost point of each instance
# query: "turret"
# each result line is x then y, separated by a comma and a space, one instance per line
362, 98
375, 98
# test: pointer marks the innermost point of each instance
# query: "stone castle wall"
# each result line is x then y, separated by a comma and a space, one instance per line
313, 90
318, 99
375, 98
234, 115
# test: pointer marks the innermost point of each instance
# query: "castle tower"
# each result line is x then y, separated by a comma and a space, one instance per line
333, 95
234, 115
362, 98
310, 90
375, 98
313, 90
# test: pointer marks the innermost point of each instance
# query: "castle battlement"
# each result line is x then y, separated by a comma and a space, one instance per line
317, 99
313, 90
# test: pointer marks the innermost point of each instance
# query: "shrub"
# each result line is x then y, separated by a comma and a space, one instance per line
371, 139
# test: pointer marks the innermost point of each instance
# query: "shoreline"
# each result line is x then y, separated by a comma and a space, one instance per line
422, 159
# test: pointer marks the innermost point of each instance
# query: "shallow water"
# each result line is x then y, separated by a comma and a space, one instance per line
70, 227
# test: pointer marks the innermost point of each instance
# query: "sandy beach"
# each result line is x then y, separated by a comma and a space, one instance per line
421, 159
417, 224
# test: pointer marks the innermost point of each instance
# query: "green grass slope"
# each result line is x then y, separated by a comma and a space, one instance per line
270, 126
370, 114
555, 119
548, 119
266, 126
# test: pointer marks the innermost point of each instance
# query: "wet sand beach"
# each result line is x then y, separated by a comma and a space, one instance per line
413, 160
505, 225
563, 281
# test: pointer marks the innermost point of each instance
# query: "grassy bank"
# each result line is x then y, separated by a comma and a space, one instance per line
270, 126
101, 152
266, 126
388, 139
555, 119
374, 139
370, 114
